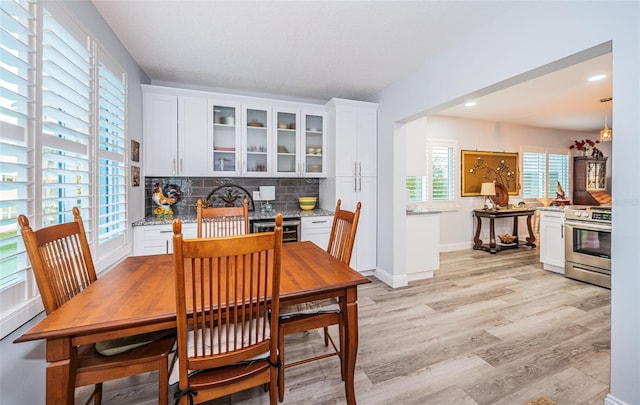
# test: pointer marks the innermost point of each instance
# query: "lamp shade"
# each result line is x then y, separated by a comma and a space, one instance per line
488, 189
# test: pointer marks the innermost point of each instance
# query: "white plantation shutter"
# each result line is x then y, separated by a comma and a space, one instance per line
16, 161
63, 138
541, 170
66, 124
112, 204
438, 186
443, 172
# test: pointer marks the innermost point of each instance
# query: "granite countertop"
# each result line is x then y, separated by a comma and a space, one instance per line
318, 212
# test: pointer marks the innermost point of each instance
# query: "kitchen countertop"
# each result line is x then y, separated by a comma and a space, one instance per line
318, 212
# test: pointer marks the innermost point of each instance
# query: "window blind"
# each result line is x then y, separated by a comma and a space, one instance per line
112, 208
541, 171
66, 124
439, 184
16, 158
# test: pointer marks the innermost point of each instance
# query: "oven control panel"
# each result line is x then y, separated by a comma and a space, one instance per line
591, 215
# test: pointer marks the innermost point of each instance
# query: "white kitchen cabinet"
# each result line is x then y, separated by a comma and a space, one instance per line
422, 245
226, 138
286, 148
257, 141
314, 145
158, 239
175, 134
351, 172
552, 240
317, 230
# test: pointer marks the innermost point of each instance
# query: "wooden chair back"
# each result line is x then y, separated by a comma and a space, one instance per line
63, 267
215, 222
60, 258
343, 233
227, 302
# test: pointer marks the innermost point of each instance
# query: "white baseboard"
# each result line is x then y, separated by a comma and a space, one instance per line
389, 279
611, 400
422, 275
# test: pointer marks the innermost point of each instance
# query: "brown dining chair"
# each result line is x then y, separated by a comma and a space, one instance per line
227, 304
214, 222
323, 313
62, 265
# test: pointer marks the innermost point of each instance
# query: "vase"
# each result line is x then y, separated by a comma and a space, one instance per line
583, 153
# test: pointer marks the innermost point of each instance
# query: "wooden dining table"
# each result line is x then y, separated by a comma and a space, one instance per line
138, 296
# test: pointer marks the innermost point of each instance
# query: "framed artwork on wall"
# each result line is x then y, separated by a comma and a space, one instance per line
481, 167
135, 176
135, 151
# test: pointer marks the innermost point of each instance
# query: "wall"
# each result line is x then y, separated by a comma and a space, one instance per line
528, 37
22, 369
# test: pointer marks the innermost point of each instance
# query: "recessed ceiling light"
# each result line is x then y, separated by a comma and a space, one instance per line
470, 104
596, 78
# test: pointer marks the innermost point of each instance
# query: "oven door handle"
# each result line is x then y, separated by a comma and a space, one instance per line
588, 226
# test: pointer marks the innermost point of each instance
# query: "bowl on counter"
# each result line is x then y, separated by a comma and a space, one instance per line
307, 203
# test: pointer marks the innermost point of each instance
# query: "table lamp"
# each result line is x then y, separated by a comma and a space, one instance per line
267, 193
487, 190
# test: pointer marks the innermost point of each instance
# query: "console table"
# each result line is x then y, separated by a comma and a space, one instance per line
493, 247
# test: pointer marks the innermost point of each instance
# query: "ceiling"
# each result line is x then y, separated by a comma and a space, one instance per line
315, 50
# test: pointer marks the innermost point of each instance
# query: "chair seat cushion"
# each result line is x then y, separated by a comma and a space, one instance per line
328, 305
113, 347
246, 340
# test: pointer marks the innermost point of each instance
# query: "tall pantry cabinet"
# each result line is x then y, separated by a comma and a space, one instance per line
352, 171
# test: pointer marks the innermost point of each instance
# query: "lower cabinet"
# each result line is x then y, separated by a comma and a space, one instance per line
552, 240
158, 239
317, 230
422, 246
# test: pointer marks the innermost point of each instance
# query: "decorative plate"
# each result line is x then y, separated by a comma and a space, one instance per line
501, 199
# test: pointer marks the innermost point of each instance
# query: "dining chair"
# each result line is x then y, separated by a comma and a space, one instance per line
222, 221
323, 313
227, 304
63, 267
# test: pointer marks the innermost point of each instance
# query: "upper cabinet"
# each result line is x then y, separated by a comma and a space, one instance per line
194, 133
175, 132
314, 144
225, 136
356, 137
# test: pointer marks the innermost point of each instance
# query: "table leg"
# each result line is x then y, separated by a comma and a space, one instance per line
515, 228
61, 372
492, 236
350, 351
532, 236
477, 242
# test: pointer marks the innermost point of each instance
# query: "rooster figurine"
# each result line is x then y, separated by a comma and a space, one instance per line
165, 198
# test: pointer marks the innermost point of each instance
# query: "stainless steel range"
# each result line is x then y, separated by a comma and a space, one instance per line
588, 245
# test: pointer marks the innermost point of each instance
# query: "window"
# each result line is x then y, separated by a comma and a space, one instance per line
16, 161
112, 207
541, 172
438, 186
63, 110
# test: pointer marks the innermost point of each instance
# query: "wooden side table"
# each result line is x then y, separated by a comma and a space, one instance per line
493, 247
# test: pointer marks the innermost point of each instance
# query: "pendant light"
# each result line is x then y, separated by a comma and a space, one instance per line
606, 134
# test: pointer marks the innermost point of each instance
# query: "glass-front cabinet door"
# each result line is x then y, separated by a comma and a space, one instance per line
225, 135
287, 143
313, 145
256, 132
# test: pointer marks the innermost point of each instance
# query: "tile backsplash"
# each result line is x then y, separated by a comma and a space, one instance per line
193, 188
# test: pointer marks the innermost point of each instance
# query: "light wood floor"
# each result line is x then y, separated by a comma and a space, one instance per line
487, 329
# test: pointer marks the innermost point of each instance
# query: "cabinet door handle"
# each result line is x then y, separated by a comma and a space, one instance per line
169, 231
359, 183
319, 222
562, 232
173, 166
359, 168
181, 171
355, 183
238, 168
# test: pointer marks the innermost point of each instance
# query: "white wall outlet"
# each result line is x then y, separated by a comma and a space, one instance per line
256, 196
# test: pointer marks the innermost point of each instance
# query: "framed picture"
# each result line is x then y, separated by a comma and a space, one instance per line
135, 176
135, 151
484, 167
